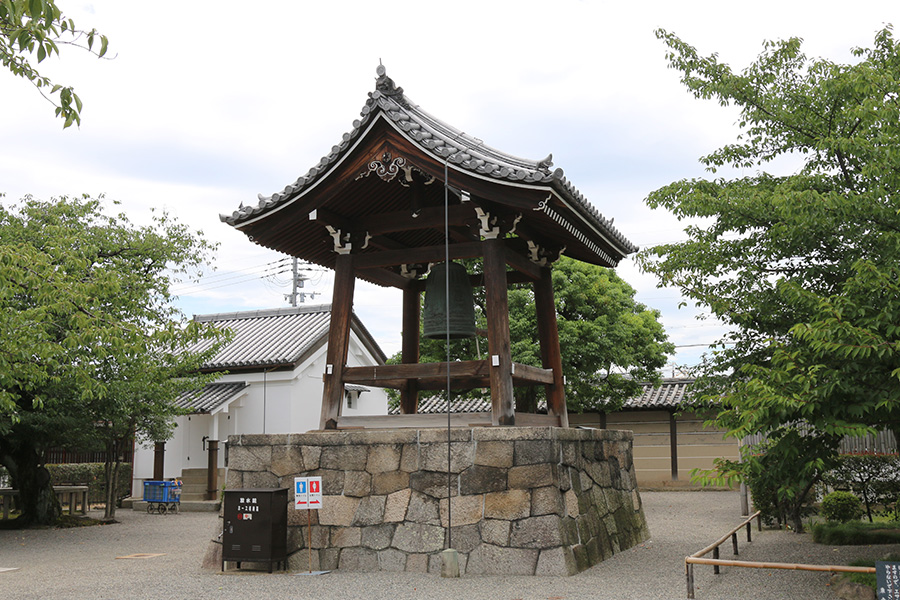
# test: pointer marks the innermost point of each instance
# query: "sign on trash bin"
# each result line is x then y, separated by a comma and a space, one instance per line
307, 493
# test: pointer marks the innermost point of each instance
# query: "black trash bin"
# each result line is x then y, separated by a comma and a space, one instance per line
255, 527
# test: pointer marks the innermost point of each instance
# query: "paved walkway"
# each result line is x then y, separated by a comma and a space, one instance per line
82, 563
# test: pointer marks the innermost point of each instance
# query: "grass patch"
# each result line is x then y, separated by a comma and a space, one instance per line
868, 579
856, 533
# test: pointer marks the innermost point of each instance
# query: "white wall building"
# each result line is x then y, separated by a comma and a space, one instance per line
272, 384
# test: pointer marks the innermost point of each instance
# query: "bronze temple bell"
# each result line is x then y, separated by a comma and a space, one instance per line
449, 303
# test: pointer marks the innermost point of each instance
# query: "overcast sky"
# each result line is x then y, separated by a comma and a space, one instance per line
206, 104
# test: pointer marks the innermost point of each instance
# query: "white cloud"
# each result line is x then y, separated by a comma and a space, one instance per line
208, 103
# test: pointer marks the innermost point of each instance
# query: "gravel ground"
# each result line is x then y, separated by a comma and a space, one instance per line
82, 563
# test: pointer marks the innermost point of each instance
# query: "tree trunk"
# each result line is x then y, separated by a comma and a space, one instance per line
797, 517
796, 506
111, 469
36, 496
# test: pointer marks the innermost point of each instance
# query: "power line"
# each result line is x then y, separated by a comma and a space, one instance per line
244, 279
212, 280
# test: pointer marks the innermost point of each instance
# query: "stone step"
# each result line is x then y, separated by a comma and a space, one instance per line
190, 496
193, 486
198, 476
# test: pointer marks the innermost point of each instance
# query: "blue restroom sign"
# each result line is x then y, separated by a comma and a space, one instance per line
307, 493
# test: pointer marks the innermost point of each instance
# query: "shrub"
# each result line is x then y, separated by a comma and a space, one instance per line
855, 533
841, 507
875, 478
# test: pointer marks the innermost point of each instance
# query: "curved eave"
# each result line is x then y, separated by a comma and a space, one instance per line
464, 154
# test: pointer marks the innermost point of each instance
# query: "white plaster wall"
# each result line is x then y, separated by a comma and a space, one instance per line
143, 467
276, 402
373, 402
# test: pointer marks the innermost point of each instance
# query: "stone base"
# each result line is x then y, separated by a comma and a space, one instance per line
517, 500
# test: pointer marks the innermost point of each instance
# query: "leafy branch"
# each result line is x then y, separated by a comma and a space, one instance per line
35, 29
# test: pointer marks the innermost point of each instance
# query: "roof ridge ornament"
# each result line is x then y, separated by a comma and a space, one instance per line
544, 165
385, 84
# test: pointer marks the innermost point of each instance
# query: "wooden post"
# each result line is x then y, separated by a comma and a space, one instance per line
551, 357
716, 557
673, 445
159, 459
338, 341
497, 300
734, 542
409, 394
689, 574
748, 531
212, 470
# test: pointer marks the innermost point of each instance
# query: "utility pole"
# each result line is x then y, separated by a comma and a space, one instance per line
298, 281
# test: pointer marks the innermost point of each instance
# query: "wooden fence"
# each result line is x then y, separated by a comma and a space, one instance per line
882, 442
63, 456
697, 558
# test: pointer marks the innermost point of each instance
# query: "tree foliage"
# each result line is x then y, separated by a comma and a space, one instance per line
610, 343
34, 30
802, 267
873, 477
92, 351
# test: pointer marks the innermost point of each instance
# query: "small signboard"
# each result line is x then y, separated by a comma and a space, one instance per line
301, 493
315, 492
887, 577
307, 493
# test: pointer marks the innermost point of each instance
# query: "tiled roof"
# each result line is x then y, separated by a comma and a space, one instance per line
438, 405
275, 337
669, 394
352, 387
444, 142
211, 396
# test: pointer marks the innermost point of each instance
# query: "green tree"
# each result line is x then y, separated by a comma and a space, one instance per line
610, 343
91, 347
802, 267
35, 29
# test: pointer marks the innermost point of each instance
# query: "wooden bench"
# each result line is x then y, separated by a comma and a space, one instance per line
67, 494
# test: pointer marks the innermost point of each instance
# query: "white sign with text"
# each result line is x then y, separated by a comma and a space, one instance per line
307, 493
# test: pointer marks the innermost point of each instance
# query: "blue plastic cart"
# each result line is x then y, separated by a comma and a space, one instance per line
162, 496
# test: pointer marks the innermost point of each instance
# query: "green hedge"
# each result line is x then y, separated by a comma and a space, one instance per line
855, 533
91, 474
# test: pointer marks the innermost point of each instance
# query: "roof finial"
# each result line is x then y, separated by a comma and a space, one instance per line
385, 84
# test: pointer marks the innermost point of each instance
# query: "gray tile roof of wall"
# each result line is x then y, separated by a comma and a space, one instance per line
669, 395
273, 337
211, 396
445, 142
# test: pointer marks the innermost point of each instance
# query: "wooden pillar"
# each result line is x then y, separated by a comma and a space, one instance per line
338, 341
673, 445
409, 394
551, 357
502, 412
212, 469
159, 461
